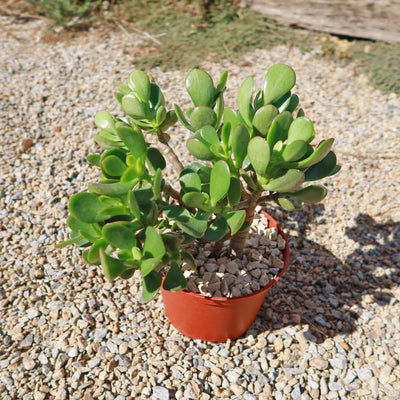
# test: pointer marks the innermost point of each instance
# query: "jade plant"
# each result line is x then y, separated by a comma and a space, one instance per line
133, 218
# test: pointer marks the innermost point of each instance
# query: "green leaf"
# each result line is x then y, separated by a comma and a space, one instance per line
301, 129
112, 188
79, 226
288, 181
156, 97
294, 151
279, 128
181, 117
195, 226
219, 181
130, 174
106, 143
93, 255
217, 229
200, 88
120, 234
170, 120
113, 166
293, 103
322, 169
319, 154
286, 204
311, 194
132, 106
112, 267
172, 244
94, 159
222, 81
283, 102
151, 285
147, 265
230, 117
140, 83
133, 205
202, 116
155, 160
259, 154
209, 134
174, 280
104, 120
153, 244
193, 199
157, 184
234, 192
199, 150
189, 259
190, 182
244, 100
239, 142
133, 140
279, 80
235, 220
86, 206
263, 119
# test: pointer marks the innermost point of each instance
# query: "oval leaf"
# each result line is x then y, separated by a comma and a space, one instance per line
235, 220
209, 134
239, 142
135, 108
294, 151
174, 280
322, 169
279, 80
289, 181
112, 267
86, 206
259, 154
200, 88
311, 194
133, 140
234, 192
113, 166
202, 116
220, 180
199, 150
153, 244
217, 229
120, 234
279, 129
301, 129
104, 120
244, 99
190, 182
263, 119
151, 285
140, 83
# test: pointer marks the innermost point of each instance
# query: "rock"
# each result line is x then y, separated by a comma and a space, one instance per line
160, 393
28, 362
318, 363
365, 374
338, 363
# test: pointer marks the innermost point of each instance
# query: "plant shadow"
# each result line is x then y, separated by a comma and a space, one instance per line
324, 293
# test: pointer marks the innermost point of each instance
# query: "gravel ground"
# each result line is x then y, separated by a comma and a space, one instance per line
330, 328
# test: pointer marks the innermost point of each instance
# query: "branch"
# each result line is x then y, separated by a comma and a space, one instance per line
264, 199
178, 166
171, 192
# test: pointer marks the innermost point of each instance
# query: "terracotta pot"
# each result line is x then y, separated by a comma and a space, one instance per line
217, 319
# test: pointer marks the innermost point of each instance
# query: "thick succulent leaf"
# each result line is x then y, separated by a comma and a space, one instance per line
217, 229
94, 159
93, 255
239, 142
133, 140
322, 169
161, 114
220, 180
294, 151
107, 143
288, 181
124, 89
151, 285
78, 226
132, 106
153, 244
245, 98
120, 234
140, 83
202, 116
209, 134
174, 280
155, 159
204, 174
190, 182
310, 194
112, 267
133, 205
199, 150
286, 204
279, 80
194, 199
229, 118
293, 103
170, 120
335, 170
130, 174
259, 154
172, 244
189, 259
157, 182
179, 114
279, 128
222, 81
113, 166
283, 102
200, 88
234, 192
112, 188
319, 154
114, 211
147, 265
301, 129
86, 206
235, 220
104, 120
263, 119
156, 96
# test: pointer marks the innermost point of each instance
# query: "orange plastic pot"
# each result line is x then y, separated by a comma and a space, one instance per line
217, 319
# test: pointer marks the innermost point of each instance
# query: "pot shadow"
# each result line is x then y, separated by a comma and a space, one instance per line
324, 293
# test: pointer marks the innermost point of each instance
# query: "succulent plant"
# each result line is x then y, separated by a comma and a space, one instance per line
132, 218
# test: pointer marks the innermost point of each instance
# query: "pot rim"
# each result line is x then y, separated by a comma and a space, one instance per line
286, 254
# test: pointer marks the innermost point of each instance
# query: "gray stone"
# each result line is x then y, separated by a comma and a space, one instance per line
296, 393
338, 363
335, 386
160, 393
365, 374
100, 334
94, 362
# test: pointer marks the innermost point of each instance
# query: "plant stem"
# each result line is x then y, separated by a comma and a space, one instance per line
264, 199
171, 192
178, 166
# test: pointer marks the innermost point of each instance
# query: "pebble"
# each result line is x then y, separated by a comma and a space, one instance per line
365, 374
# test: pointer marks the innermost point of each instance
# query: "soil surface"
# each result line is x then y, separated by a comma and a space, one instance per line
376, 20
329, 329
